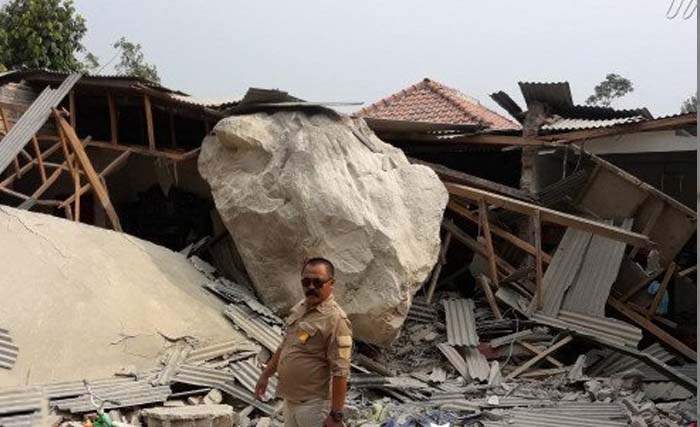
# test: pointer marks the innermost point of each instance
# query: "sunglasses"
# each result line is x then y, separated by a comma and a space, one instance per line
316, 283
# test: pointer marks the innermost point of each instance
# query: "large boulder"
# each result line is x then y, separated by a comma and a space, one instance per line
84, 302
295, 184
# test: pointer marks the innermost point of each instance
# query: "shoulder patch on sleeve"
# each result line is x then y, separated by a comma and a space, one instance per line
344, 341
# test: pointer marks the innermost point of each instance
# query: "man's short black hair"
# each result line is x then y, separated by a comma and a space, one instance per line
320, 261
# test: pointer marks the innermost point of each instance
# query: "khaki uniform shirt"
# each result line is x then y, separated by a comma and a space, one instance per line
317, 347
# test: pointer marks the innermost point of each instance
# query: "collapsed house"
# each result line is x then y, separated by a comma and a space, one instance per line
559, 286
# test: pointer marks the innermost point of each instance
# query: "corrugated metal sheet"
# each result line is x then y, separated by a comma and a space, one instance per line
605, 411
606, 328
477, 366
128, 394
76, 388
565, 124
214, 351
563, 269
454, 358
230, 291
523, 418
601, 264
25, 420
622, 362
247, 372
254, 328
33, 119
265, 312
8, 350
461, 328
507, 339
176, 356
690, 370
556, 193
206, 377
666, 391
421, 312
16, 400
555, 94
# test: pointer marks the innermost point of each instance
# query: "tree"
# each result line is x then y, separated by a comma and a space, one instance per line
614, 86
690, 105
41, 34
133, 62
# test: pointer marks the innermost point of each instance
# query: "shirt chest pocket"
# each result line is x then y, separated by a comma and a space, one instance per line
309, 337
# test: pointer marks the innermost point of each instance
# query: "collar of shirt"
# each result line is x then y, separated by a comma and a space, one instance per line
301, 309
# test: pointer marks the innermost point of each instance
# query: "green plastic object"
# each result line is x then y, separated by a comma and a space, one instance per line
103, 420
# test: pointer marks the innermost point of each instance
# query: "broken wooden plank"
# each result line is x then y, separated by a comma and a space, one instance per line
149, 122
113, 120
650, 327
551, 349
168, 154
687, 271
486, 287
72, 110
651, 222
550, 215
86, 165
537, 228
505, 235
486, 229
39, 159
111, 167
661, 291
536, 351
458, 177
438, 267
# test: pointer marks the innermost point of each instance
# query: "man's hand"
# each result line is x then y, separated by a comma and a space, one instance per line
261, 386
330, 422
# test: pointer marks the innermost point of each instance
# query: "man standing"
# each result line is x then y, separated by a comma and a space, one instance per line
313, 360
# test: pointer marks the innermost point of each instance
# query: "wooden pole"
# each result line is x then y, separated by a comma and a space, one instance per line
486, 287
86, 165
662, 290
39, 159
171, 123
113, 120
537, 227
525, 366
505, 235
72, 109
486, 228
438, 267
149, 122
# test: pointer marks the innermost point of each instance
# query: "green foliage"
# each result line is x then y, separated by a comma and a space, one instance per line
614, 86
133, 62
690, 105
41, 34
90, 63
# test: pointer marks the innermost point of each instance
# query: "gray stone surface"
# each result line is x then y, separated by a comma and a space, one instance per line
67, 287
190, 416
294, 184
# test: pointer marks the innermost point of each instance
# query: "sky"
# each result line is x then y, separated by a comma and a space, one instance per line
364, 50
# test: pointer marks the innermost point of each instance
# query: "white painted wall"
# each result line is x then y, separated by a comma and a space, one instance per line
643, 142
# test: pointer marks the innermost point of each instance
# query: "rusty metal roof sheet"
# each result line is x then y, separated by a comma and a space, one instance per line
254, 328
33, 119
247, 372
461, 328
8, 350
589, 292
605, 328
213, 351
207, 377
